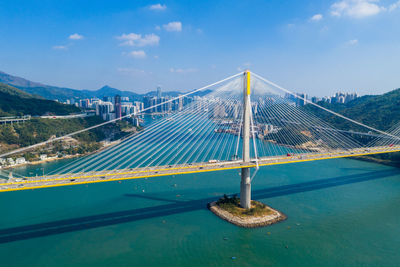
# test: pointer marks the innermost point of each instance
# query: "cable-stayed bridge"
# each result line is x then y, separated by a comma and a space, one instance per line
241, 122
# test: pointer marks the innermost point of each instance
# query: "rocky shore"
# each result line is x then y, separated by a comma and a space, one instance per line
248, 221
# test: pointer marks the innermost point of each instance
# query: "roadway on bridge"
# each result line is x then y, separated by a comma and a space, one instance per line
29, 183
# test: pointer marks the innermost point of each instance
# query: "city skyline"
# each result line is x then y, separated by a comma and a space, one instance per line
316, 48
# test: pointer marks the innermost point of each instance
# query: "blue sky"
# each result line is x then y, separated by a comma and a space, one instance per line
317, 47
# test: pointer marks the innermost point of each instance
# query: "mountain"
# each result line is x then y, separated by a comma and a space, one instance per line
54, 93
17, 81
43, 90
109, 91
15, 102
62, 93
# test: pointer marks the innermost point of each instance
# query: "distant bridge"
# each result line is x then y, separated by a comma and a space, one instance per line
5, 120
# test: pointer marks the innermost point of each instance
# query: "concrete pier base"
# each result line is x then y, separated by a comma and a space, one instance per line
248, 221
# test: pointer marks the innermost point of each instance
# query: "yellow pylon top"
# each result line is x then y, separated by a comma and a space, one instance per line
247, 74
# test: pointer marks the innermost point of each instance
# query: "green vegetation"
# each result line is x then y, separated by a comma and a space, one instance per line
6, 89
378, 111
14, 102
296, 138
232, 205
38, 130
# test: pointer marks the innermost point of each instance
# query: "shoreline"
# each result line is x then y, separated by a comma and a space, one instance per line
250, 222
51, 159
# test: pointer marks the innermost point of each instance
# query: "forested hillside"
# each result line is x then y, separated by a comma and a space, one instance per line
15, 102
37, 130
379, 111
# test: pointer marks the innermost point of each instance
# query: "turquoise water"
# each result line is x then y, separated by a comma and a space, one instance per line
340, 212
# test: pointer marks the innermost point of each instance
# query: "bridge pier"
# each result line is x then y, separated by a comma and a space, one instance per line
245, 184
245, 189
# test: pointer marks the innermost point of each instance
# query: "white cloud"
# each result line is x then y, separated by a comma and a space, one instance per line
131, 71
356, 8
316, 17
157, 7
75, 36
137, 54
134, 39
158, 28
394, 6
352, 42
174, 26
173, 70
60, 47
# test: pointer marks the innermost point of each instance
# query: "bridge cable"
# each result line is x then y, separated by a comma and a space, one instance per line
325, 109
114, 120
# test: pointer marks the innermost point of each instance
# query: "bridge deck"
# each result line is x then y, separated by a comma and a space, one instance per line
137, 173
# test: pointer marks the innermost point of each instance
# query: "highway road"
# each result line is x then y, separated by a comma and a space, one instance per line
29, 183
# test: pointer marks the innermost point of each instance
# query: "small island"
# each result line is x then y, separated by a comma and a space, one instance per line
259, 215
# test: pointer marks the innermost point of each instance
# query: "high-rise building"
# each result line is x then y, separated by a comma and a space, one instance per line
128, 109
158, 92
315, 99
161, 104
139, 106
135, 121
104, 110
117, 107
168, 106
94, 102
149, 104
84, 103
301, 99
107, 99
180, 103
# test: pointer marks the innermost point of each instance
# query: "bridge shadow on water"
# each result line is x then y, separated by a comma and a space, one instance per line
173, 207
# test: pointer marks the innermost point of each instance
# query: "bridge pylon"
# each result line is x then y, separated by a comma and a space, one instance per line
245, 184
